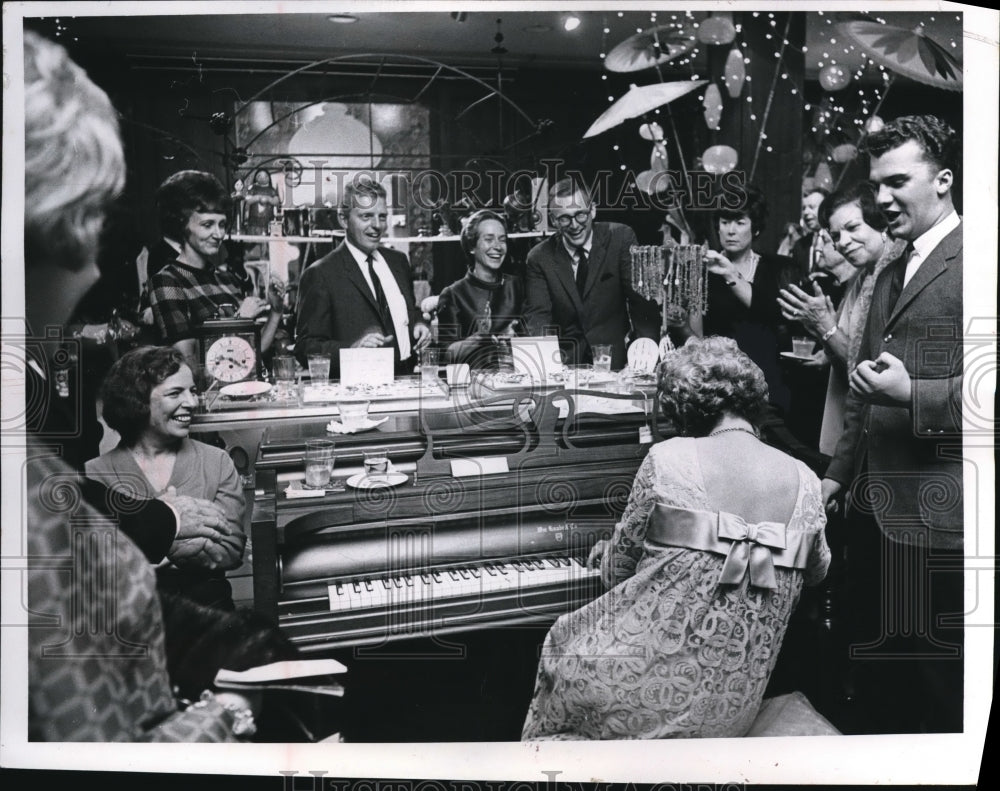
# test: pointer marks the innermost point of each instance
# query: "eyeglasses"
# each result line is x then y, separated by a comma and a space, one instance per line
564, 220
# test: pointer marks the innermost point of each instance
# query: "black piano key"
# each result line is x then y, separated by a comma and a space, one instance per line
409, 580
492, 571
368, 586
464, 574
357, 587
397, 582
475, 573
385, 583
426, 579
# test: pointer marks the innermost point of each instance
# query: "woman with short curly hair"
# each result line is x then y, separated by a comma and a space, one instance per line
149, 398
704, 569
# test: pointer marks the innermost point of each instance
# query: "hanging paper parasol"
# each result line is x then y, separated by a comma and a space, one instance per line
651, 48
639, 101
909, 53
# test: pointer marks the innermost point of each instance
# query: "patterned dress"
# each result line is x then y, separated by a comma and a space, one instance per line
667, 652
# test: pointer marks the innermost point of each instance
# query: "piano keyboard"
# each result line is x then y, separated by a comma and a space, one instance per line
460, 582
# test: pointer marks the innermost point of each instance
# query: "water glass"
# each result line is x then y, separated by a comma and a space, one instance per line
319, 368
319, 462
284, 368
353, 414
803, 346
430, 360
376, 462
602, 357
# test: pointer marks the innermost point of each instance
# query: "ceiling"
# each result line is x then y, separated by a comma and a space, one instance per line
466, 39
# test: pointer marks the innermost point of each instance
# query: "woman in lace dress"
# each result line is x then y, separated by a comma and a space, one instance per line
700, 588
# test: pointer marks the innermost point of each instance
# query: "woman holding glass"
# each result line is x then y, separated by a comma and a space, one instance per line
149, 398
859, 233
485, 304
743, 289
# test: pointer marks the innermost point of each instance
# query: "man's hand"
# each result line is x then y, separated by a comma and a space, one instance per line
201, 529
372, 340
830, 489
197, 518
421, 336
883, 381
252, 307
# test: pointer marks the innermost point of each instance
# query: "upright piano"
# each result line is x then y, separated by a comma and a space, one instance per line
503, 501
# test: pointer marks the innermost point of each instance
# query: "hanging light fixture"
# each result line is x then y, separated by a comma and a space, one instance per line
571, 22
717, 29
735, 73
713, 106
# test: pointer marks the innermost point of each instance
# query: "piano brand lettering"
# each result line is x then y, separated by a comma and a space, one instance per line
556, 528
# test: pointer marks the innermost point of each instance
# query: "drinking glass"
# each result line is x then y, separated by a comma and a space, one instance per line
802, 346
319, 462
319, 368
602, 357
430, 360
376, 462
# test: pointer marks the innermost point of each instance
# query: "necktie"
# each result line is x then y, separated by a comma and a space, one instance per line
896, 282
581, 270
383, 304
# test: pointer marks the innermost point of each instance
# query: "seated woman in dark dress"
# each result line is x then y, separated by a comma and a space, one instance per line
485, 304
743, 290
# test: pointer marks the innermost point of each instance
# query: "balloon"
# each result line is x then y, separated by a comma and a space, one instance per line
719, 159
845, 153
823, 177
735, 72
833, 77
713, 106
650, 181
658, 159
717, 29
808, 185
651, 131
874, 124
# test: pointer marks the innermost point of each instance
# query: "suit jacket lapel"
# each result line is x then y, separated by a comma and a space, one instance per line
353, 274
937, 262
598, 256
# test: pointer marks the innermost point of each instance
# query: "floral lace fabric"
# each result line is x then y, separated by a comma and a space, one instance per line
667, 652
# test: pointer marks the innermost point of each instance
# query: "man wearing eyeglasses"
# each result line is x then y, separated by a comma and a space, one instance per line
579, 281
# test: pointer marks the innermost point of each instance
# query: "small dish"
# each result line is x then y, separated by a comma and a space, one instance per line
336, 427
245, 389
362, 481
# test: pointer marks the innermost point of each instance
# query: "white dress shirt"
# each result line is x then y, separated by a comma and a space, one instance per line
924, 245
393, 296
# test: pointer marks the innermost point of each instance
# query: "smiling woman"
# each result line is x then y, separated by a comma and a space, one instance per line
149, 397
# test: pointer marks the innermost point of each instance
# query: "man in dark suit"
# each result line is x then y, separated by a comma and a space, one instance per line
580, 281
808, 249
360, 295
901, 450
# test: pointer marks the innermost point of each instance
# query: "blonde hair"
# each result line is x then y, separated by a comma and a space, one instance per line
73, 160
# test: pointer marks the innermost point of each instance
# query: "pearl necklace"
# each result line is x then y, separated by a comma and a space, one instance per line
734, 428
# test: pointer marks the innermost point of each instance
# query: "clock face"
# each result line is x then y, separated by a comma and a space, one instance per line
231, 359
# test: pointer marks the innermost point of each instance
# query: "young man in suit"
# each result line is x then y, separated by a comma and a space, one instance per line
579, 280
901, 450
360, 295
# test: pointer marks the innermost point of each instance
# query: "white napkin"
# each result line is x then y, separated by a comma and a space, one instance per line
336, 427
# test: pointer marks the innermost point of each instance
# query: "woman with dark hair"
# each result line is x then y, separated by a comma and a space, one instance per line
704, 569
860, 234
194, 211
486, 303
149, 397
743, 290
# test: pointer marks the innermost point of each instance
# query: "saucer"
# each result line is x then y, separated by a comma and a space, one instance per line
245, 389
794, 356
362, 481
